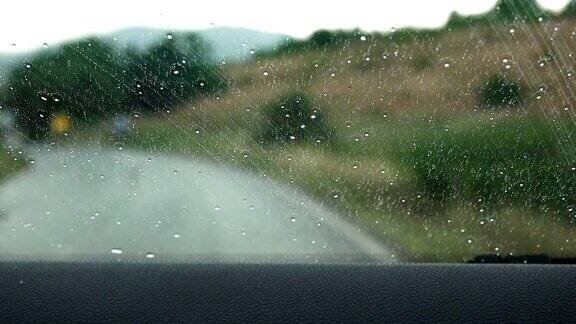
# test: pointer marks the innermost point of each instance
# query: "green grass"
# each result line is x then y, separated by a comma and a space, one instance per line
440, 190
10, 164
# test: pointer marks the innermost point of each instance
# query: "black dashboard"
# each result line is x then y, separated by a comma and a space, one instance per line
139, 292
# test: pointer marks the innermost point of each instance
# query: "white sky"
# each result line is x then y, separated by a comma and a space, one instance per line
30, 23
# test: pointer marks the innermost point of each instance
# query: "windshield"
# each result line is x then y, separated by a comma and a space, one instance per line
380, 132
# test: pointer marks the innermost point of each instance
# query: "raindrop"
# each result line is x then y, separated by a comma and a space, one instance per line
363, 38
116, 251
150, 255
217, 208
169, 36
293, 219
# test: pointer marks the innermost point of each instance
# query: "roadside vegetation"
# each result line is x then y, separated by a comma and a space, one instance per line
10, 164
447, 143
90, 80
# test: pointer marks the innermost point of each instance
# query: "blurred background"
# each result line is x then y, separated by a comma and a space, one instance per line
444, 130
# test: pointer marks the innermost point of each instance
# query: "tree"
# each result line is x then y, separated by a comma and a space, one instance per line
89, 80
80, 78
174, 71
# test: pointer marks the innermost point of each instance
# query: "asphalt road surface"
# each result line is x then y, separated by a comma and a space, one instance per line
129, 205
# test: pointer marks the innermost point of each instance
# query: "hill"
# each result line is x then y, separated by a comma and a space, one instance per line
447, 142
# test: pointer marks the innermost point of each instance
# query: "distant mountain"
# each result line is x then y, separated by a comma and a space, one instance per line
230, 44
236, 43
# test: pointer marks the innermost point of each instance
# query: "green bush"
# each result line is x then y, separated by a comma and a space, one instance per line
518, 161
90, 80
423, 62
499, 91
291, 118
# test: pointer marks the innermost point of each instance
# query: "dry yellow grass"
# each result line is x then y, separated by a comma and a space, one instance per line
439, 75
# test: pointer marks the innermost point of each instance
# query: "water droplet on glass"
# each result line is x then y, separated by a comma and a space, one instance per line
116, 251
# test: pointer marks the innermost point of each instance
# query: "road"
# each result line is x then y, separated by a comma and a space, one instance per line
129, 205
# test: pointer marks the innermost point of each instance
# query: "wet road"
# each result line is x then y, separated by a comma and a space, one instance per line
100, 204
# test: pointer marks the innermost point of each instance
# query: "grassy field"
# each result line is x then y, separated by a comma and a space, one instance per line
414, 155
439, 190
9, 164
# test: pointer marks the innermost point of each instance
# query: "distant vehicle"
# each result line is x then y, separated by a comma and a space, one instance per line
121, 124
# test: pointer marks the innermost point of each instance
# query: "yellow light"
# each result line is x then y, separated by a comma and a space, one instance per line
60, 123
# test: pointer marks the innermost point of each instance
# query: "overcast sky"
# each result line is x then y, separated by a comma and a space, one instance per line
29, 24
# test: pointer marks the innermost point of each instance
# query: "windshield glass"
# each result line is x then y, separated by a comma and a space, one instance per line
410, 131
